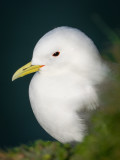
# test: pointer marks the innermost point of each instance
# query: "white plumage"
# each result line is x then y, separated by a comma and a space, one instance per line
67, 83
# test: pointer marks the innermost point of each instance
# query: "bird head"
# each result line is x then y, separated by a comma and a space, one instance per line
61, 49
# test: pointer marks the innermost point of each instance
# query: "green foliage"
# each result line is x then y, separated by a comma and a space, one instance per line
102, 141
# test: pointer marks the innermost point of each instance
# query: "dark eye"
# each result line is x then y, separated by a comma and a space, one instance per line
56, 54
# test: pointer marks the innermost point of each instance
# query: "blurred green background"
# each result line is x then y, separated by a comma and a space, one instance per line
22, 24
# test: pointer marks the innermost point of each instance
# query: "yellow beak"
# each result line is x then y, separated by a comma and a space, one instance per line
26, 69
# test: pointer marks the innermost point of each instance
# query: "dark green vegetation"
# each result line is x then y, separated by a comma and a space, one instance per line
103, 140
103, 143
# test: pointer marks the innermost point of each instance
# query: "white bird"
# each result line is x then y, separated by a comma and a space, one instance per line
70, 70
